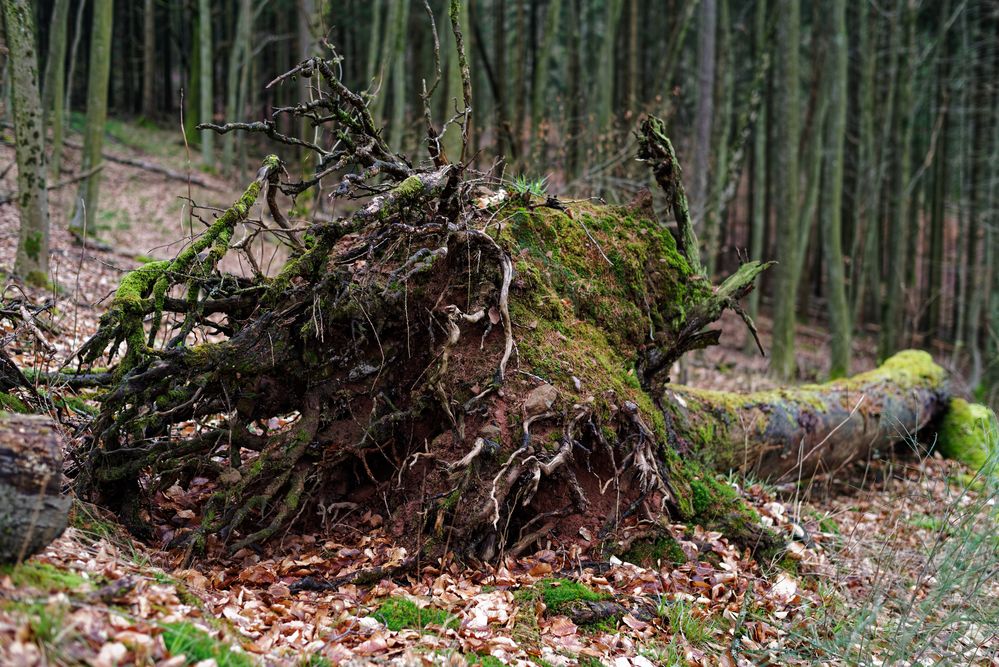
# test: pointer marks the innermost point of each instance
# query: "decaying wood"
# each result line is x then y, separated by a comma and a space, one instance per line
33, 509
801, 431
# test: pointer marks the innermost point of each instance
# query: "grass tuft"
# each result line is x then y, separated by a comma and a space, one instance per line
400, 614
196, 645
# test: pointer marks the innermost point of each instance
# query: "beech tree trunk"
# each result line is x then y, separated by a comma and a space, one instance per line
33, 510
32, 261
97, 106
802, 431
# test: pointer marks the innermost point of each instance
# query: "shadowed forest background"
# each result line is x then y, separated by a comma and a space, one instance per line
853, 142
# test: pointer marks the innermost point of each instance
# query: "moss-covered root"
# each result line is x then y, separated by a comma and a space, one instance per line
144, 290
969, 433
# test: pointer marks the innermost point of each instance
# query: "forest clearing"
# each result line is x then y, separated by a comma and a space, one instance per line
314, 354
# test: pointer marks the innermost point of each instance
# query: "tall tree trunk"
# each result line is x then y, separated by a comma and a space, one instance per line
830, 207
97, 107
713, 209
574, 106
786, 153
149, 59
53, 95
398, 124
892, 323
539, 93
57, 141
605, 64
758, 188
205, 80
236, 66
503, 144
708, 30
455, 94
32, 259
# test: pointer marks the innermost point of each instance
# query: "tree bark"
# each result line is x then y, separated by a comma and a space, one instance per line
53, 95
149, 59
206, 99
97, 107
33, 510
708, 30
831, 205
783, 361
801, 431
32, 259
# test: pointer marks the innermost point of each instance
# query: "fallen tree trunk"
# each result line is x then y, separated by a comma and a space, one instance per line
33, 510
801, 431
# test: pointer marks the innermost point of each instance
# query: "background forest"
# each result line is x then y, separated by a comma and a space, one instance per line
854, 142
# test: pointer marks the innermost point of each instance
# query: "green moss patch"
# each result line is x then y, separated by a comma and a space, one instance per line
43, 577
968, 433
559, 594
196, 645
11, 403
400, 614
655, 550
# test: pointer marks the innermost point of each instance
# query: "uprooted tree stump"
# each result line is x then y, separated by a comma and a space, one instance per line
483, 368
33, 510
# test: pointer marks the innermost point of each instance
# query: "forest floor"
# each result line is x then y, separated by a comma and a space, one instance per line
895, 561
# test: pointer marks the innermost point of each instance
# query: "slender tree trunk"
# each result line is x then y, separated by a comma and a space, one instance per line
32, 259
57, 141
236, 66
830, 208
149, 59
397, 127
390, 32
205, 80
708, 30
374, 41
892, 323
605, 64
574, 106
787, 124
503, 145
97, 107
722, 125
539, 93
758, 188
520, 75
53, 96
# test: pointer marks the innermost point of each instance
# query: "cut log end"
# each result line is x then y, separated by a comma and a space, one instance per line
33, 510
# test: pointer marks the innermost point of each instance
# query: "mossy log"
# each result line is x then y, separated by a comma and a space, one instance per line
33, 509
801, 431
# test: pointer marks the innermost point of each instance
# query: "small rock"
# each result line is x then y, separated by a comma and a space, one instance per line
540, 400
490, 432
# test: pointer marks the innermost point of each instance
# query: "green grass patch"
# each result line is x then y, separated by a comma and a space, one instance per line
683, 622
400, 613
483, 660
42, 576
196, 645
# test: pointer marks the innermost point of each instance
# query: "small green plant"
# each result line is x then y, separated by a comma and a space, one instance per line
483, 660
400, 613
682, 621
528, 187
664, 655
196, 645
